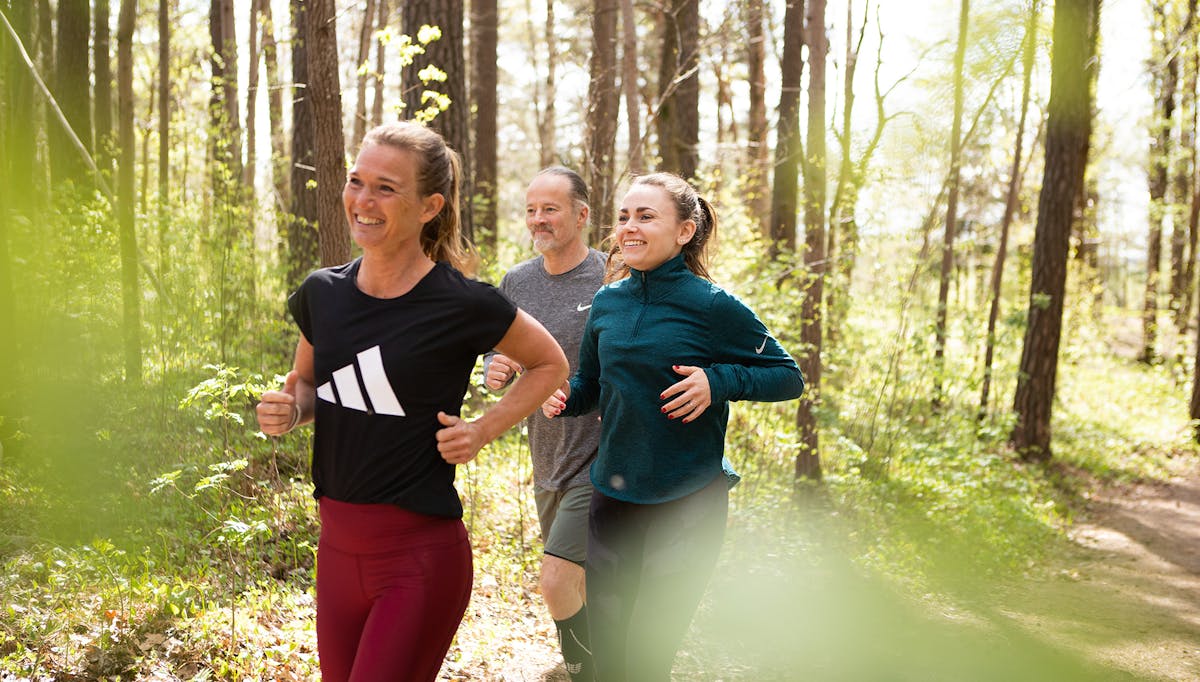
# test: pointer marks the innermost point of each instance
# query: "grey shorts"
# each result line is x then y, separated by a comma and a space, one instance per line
563, 515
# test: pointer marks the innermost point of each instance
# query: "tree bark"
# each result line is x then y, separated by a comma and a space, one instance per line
20, 134
1068, 132
279, 139
629, 85
365, 32
808, 460
668, 69
72, 90
788, 149
484, 73
447, 55
1184, 187
226, 145
250, 173
1029, 50
1165, 80
102, 103
686, 121
939, 353
380, 66
131, 293
757, 188
303, 252
325, 91
164, 127
603, 106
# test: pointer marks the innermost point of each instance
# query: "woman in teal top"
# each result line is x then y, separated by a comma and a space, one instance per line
664, 352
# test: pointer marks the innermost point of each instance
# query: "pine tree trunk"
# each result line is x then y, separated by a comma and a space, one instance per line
629, 85
808, 460
1029, 49
757, 174
1165, 79
131, 293
303, 252
226, 143
687, 94
102, 77
366, 29
275, 86
447, 54
250, 173
939, 353
164, 127
20, 134
325, 91
788, 148
1068, 132
668, 69
72, 90
484, 74
380, 66
603, 106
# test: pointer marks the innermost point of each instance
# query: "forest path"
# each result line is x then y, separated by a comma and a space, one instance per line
1128, 595
1123, 602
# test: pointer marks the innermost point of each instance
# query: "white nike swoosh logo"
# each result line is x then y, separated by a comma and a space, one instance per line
762, 346
581, 307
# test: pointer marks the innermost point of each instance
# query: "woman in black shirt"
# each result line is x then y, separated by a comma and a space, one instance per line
388, 343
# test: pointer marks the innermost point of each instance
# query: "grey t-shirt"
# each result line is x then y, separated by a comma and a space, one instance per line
563, 448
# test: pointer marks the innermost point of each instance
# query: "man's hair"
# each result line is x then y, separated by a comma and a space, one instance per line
579, 188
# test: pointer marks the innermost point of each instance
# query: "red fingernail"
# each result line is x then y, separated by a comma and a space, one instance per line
664, 409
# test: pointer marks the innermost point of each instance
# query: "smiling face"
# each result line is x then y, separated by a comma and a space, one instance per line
383, 204
649, 231
555, 221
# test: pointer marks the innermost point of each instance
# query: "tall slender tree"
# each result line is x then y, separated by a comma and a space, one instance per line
253, 62
939, 352
446, 54
20, 123
1028, 51
102, 79
365, 31
629, 85
757, 176
275, 87
131, 293
788, 147
1165, 80
303, 252
484, 74
1068, 135
1183, 172
679, 89
223, 103
603, 106
72, 90
808, 461
380, 65
326, 92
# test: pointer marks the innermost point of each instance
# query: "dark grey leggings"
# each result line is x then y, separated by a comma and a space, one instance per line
647, 567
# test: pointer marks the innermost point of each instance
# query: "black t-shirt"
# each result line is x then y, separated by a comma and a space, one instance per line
384, 368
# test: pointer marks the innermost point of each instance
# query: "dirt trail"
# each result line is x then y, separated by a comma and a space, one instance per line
1129, 596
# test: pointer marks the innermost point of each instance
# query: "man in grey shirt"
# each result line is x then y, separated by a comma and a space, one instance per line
557, 288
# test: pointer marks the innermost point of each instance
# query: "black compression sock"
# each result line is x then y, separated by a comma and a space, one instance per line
576, 645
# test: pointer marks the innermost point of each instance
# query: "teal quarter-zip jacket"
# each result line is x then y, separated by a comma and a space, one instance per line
638, 328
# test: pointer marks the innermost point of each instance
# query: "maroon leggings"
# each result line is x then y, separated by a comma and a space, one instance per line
392, 587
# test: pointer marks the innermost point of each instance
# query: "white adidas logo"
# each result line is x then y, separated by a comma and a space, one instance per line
379, 391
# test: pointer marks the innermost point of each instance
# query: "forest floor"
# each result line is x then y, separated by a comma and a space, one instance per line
1124, 600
